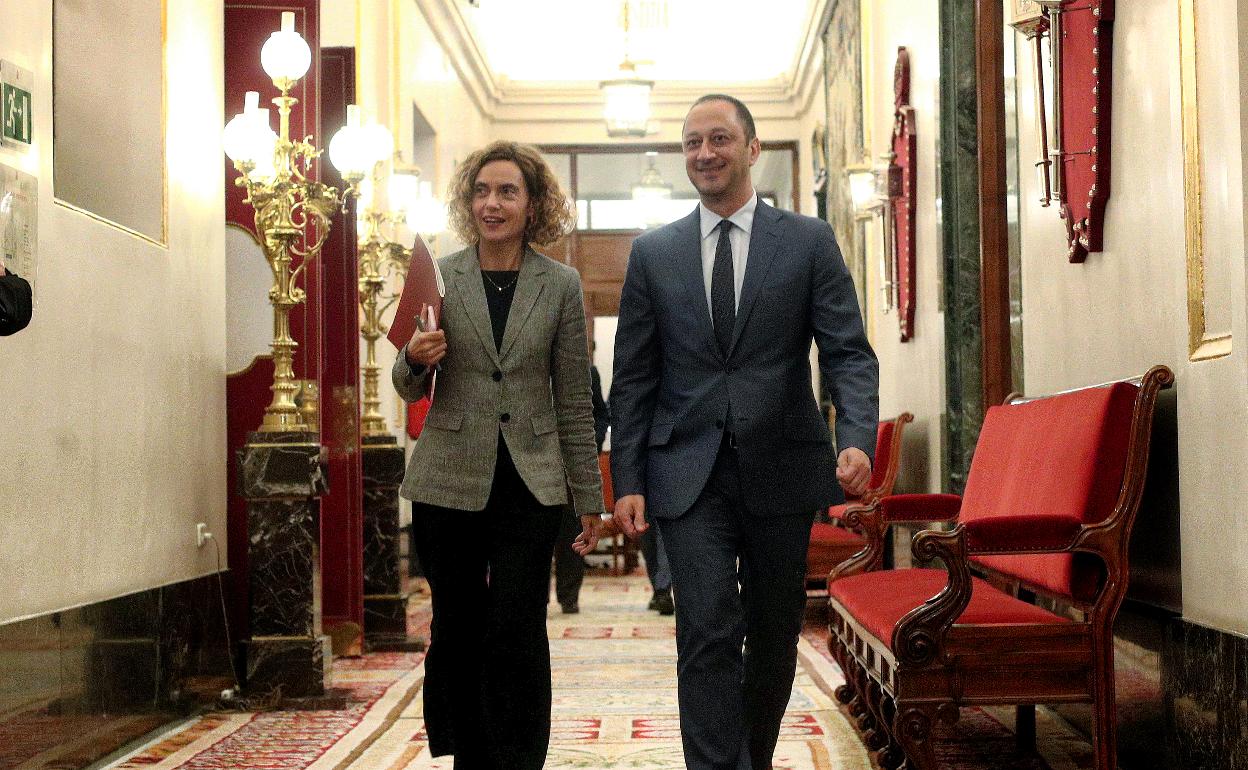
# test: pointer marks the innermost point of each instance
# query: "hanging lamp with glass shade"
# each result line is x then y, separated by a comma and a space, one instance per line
651, 185
627, 110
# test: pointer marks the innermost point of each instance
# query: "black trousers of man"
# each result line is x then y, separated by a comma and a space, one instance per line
487, 673
739, 580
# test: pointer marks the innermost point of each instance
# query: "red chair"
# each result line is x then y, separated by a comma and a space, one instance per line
1050, 500
832, 542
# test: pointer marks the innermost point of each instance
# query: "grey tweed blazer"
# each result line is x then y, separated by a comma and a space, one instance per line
536, 390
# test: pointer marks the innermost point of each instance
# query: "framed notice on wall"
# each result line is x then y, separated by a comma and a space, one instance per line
19, 211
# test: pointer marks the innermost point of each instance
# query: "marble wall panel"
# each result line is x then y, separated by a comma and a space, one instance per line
79, 684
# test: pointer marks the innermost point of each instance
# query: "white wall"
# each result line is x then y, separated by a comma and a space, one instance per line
113, 415
912, 374
1126, 308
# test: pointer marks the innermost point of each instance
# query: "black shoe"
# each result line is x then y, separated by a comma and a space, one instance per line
663, 602
570, 608
654, 602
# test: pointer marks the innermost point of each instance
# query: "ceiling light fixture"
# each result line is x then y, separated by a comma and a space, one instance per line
627, 108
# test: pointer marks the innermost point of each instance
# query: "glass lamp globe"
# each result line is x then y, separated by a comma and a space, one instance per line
238, 139
347, 149
427, 216
378, 142
861, 189
263, 147
285, 55
403, 189
627, 108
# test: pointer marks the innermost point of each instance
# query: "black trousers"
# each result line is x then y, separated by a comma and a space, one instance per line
739, 581
487, 673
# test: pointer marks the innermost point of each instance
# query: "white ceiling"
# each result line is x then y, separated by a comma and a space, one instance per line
575, 41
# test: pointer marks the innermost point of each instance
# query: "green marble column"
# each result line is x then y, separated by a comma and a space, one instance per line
958, 151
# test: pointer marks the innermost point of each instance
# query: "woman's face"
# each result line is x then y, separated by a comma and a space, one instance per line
500, 202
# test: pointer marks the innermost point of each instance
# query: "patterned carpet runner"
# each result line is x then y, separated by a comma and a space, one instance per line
614, 667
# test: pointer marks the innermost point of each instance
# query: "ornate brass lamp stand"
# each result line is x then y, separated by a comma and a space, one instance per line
292, 212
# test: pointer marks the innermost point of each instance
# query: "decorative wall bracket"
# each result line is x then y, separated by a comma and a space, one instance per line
903, 193
1074, 165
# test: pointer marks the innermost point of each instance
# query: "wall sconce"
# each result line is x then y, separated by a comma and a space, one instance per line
292, 213
888, 190
1072, 110
869, 187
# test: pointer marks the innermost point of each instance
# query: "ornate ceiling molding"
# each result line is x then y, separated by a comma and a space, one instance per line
502, 100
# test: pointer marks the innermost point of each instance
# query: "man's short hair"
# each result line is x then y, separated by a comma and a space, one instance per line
743, 112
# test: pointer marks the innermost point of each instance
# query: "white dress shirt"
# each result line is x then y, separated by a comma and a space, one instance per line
738, 236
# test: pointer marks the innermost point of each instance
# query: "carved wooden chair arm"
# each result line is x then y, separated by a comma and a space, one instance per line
919, 634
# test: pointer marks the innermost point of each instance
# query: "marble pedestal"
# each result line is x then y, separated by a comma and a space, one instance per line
385, 602
281, 476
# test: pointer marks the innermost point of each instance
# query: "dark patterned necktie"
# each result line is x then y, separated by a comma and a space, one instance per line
723, 289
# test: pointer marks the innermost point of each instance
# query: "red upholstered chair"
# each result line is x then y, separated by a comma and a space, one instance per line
1050, 499
831, 542
623, 551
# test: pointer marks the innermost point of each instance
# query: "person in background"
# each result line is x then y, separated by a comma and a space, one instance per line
570, 565
507, 443
16, 306
658, 570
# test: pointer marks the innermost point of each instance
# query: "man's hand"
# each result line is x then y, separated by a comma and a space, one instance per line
426, 348
591, 529
853, 471
630, 514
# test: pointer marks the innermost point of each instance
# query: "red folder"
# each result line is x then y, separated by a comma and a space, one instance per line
422, 296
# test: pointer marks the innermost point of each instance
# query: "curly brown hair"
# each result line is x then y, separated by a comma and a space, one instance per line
552, 218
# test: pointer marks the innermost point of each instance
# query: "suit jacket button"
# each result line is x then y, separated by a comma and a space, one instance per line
498, 376
719, 424
505, 417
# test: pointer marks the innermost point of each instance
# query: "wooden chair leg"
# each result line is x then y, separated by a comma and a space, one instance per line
1105, 714
891, 756
876, 736
913, 726
1025, 728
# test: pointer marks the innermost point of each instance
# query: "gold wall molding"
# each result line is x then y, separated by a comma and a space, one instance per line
1202, 345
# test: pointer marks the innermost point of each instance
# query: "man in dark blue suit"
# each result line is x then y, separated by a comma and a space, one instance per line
717, 435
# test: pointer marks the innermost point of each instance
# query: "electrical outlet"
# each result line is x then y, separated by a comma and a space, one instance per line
201, 534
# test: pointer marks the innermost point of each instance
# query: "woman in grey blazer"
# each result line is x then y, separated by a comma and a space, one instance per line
509, 437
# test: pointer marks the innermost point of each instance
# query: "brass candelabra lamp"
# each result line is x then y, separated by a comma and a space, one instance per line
292, 212
382, 259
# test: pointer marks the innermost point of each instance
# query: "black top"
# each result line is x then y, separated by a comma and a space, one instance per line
15, 303
500, 289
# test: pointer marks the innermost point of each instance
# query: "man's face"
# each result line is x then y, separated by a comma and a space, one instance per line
717, 155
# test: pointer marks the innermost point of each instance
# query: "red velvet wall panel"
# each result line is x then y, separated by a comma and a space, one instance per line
246, 395
342, 518
247, 26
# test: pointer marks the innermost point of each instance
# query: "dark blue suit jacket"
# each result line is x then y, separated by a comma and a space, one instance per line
672, 387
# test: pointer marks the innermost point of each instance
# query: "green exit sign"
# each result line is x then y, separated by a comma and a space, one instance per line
16, 113
17, 119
